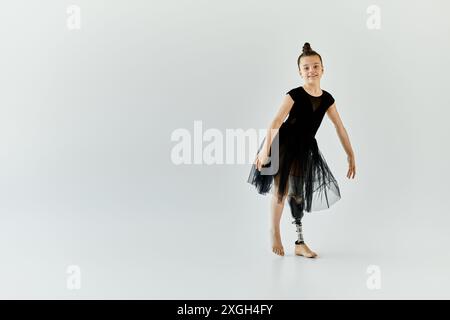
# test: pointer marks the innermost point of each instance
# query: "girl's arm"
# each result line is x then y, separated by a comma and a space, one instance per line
343, 137
272, 131
276, 123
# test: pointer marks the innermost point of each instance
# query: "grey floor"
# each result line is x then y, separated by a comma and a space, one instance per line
195, 257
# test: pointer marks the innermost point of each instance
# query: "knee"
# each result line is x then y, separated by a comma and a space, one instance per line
296, 207
278, 199
277, 195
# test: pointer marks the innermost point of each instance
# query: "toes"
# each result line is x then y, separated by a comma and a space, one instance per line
278, 251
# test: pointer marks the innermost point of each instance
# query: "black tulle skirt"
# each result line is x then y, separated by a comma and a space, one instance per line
302, 173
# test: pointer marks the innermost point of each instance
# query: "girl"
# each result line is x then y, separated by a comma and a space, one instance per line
303, 175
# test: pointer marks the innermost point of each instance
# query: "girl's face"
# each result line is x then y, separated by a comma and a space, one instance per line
311, 69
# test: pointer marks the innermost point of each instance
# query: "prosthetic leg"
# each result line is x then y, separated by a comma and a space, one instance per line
296, 204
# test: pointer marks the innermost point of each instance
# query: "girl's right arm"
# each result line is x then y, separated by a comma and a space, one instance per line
272, 131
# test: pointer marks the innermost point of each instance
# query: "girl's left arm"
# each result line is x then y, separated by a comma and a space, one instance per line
333, 115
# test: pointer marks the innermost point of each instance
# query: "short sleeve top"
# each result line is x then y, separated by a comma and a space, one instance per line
307, 110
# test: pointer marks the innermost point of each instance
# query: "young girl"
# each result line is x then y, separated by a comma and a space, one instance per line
303, 175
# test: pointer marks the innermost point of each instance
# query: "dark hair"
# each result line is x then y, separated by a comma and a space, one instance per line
307, 51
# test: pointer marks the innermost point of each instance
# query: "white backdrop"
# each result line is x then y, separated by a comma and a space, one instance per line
92, 204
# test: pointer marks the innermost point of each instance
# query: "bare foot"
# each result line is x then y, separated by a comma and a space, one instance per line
277, 246
304, 250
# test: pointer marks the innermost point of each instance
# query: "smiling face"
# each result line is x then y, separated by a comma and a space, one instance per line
311, 69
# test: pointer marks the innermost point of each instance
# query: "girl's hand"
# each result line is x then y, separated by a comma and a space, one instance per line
351, 167
261, 159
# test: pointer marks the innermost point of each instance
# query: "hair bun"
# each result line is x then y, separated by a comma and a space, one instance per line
307, 52
307, 47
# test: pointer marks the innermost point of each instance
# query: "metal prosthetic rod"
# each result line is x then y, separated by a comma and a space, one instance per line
297, 206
